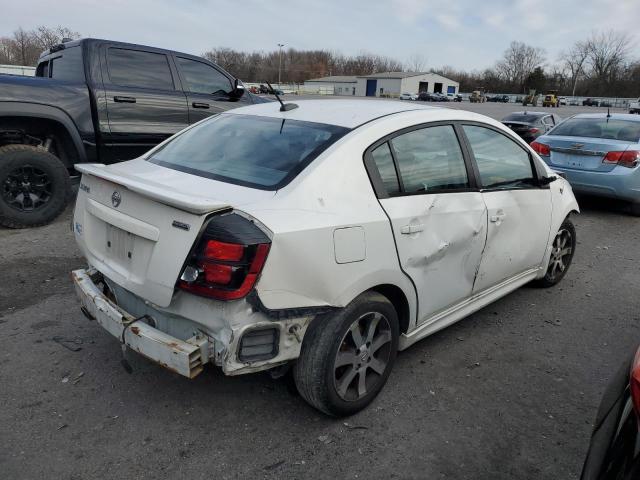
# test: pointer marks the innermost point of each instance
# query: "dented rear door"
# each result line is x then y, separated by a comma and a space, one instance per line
438, 216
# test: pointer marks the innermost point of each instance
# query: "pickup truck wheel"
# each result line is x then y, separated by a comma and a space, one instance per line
34, 186
562, 249
346, 357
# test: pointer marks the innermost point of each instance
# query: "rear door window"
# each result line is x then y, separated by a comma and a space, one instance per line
384, 163
259, 152
430, 160
135, 68
502, 163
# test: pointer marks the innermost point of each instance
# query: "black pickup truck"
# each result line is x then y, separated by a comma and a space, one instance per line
96, 101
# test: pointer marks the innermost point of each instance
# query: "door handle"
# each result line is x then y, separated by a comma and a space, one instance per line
497, 218
200, 105
412, 228
120, 99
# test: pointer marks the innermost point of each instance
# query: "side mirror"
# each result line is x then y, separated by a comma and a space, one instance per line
547, 180
238, 90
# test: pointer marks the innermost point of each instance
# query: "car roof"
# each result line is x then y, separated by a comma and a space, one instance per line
343, 113
540, 114
615, 116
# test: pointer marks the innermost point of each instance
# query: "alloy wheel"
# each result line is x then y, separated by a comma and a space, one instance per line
26, 188
561, 253
363, 356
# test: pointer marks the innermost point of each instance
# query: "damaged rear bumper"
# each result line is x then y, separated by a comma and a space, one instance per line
185, 357
241, 350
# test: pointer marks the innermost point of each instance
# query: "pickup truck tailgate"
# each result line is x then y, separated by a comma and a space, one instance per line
137, 231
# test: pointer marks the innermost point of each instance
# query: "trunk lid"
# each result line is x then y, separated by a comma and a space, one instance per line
520, 127
136, 221
581, 153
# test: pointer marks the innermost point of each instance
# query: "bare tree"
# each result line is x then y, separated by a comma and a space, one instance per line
573, 61
518, 62
46, 37
416, 63
24, 46
607, 54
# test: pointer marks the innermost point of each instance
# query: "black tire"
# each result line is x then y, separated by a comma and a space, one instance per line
51, 192
554, 274
634, 209
330, 335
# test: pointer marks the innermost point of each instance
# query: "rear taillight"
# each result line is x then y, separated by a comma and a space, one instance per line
627, 158
541, 148
634, 383
227, 260
534, 130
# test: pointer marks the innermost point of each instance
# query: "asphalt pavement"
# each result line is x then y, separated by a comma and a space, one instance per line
508, 393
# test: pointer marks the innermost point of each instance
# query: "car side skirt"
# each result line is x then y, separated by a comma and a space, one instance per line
466, 307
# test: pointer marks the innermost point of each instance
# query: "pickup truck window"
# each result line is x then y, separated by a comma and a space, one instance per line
134, 68
68, 66
202, 78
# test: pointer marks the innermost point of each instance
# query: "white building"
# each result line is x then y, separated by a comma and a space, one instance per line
336, 85
18, 70
395, 83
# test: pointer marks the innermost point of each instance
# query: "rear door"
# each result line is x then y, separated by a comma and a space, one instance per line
207, 89
519, 210
145, 104
438, 218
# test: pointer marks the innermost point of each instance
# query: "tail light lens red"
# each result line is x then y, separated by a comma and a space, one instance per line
541, 148
227, 260
534, 130
634, 383
627, 158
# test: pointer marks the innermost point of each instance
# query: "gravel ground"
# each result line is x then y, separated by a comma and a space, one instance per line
509, 392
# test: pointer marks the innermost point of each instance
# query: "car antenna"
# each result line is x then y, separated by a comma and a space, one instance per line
284, 107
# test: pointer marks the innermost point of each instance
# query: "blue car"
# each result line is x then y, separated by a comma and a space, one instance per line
598, 153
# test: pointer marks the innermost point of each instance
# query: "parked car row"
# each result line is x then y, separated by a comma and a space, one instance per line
431, 97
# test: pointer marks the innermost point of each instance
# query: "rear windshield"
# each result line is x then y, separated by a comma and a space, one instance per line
625, 130
521, 117
259, 152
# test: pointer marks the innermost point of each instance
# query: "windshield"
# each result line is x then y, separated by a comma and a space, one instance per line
259, 152
624, 130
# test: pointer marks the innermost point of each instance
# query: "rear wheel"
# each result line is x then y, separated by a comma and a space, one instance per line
34, 186
634, 209
562, 249
346, 357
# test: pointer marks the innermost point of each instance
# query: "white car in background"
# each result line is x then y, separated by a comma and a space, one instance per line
408, 96
324, 238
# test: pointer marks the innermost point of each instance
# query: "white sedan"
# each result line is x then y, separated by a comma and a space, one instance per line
323, 237
408, 96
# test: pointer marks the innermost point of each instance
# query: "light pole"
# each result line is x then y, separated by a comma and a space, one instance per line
280, 45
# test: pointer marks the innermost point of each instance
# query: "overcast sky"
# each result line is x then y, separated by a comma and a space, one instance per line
468, 34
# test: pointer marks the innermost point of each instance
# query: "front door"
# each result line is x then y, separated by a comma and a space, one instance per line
519, 209
207, 89
371, 88
144, 102
438, 219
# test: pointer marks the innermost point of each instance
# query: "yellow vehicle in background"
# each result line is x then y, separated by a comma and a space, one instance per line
551, 99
